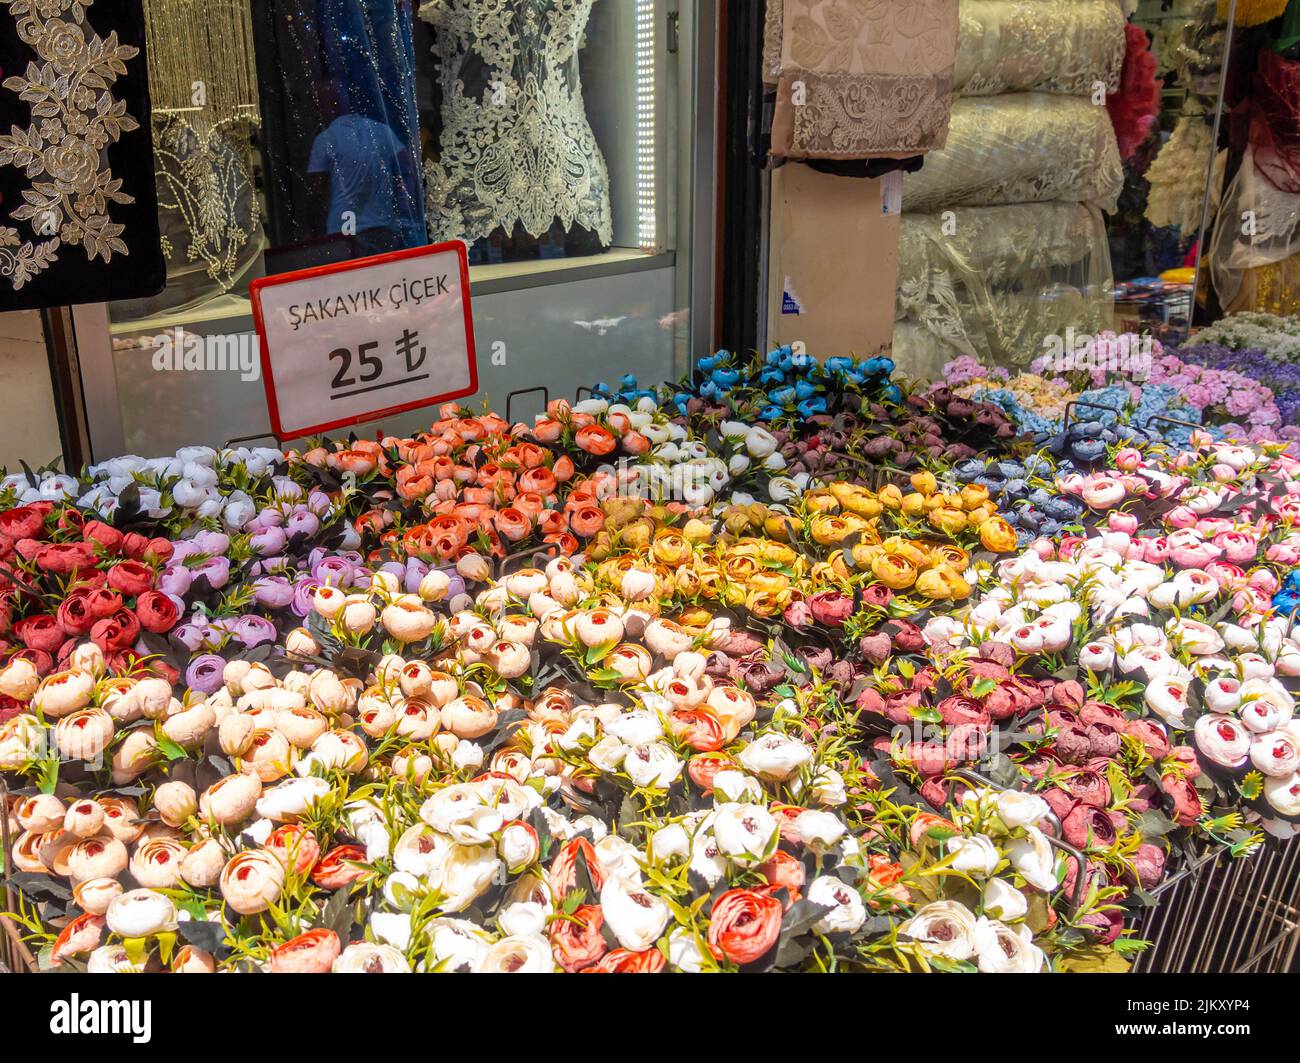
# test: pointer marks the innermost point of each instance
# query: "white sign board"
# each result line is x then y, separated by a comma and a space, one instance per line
361, 340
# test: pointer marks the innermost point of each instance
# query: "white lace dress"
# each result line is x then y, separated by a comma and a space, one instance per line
516, 147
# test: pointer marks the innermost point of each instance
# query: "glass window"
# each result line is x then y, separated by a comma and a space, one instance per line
553, 136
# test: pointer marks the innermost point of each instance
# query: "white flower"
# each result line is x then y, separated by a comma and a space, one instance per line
392, 929
467, 755
522, 918
775, 757
636, 918
1017, 809
975, 854
759, 442
653, 766
466, 874
518, 954
1001, 950
617, 856
139, 913
457, 943
636, 728
706, 860
684, 952
736, 786
1003, 900
1284, 794
746, 834
1166, 697
669, 843
362, 957
847, 912
820, 831
943, 928
1032, 856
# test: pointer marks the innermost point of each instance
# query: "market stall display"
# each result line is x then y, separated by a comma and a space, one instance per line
798, 665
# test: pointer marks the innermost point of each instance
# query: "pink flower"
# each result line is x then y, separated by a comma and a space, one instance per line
1156, 550
1103, 492
1122, 522
1238, 547
1180, 517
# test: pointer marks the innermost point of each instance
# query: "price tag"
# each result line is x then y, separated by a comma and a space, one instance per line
361, 340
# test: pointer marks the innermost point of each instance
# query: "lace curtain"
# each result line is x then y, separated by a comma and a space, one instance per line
1022, 148
991, 282
1058, 46
516, 147
860, 79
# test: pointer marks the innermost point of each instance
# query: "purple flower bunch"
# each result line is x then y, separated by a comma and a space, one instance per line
1279, 376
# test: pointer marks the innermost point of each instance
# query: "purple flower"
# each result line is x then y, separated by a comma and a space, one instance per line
204, 673
212, 542
216, 569
273, 592
269, 541
252, 630
304, 590
336, 570
302, 523
192, 636
175, 580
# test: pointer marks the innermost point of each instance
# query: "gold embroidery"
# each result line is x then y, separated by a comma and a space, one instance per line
64, 152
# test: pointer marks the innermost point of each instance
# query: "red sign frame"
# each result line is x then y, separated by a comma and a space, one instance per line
268, 377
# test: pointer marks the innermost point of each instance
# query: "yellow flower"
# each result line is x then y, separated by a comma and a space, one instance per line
924, 482
997, 535
973, 496
894, 571
913, 504
762, 603
826, 529
948, 520
942, 583
687, 581
637, 534
914, 552
777, 526
698, 531
696, 616
671, 547
820, 501
891, 497
768, 582
864, 504
779, 554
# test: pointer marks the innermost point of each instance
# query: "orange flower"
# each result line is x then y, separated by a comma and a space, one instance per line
538, 479
564, 542
635, 443
563, 468
548, 431
622, 961
587, 520
354, 461
744, 925
513, 524
596, 440
411, 484
698, 728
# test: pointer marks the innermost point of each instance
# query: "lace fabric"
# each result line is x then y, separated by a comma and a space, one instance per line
860, 78
1177, 176
516, 146
1066, 47
1022, 148
992, 282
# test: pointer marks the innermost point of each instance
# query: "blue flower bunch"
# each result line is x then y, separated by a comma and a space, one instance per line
1287, 600
785, 383
1025, 494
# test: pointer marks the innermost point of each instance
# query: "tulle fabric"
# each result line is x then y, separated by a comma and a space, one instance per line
993, 282
1258, 227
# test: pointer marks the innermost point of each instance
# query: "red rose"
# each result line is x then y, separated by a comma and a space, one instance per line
1187, 802
311, 953
831, 608
563, 873
134, 545
101, 603
130, 577
63, 558
40, 632
784, 871
744, 925
71, 520
577, 942
74, 616
704, 766
116, 632
877, 595
337, 868
621, 961
40, 658
22, 522
104, 534
157, 612
157, 550
698, 728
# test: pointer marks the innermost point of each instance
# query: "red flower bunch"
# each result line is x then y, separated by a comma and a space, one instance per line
65, 580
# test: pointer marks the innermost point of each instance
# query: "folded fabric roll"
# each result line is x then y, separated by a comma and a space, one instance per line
1030, 147
859, 80
1061, 46
994, 282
